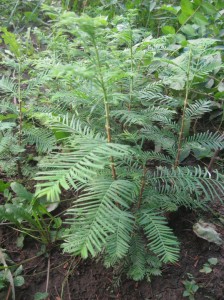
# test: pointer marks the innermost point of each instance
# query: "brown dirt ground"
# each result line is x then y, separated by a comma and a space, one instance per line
71, 279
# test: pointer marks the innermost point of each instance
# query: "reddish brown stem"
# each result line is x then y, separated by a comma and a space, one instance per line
211, 163
8, 293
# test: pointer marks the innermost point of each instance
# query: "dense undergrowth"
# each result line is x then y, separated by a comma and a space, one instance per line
111, 99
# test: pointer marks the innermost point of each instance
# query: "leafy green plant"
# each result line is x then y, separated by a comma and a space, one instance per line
193, 19
125, 189
122, 108
10, 274
28, 215
40, 296
18, 129
17, 14
190, 286
207, 267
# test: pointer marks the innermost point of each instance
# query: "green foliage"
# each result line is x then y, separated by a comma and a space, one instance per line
43, 139
120, 210
98, 215
160, 235
139, 262
10, 273
108, 107
191, 287
18, 129
19, 13
91, 155
40, 296
207, 267
28, 214
3, 185
10, 40
7, 85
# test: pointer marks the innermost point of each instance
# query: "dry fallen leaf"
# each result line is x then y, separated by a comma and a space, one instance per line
208, 232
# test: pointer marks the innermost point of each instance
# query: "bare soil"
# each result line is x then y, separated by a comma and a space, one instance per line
73, 279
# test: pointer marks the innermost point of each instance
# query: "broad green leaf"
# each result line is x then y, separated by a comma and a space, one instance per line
3, 185
219, 95
20, 241
197, 2
213, 261
30, 16
187, 7
210, 83
221, 87
184, 154
59, 135
180, 38
186, 11
170, 8
206, 269
21, 191
40, 296
202, 152
208, 8
152, 5
182, 18
18, 271
168, 30
189, 30
195, 288
199, 19
186, 294
19, 281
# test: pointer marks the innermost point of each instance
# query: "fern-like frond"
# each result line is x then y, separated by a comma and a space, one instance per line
129, 117
160, 236
9, 144
143, 117
153, 96
208, 63
170, 201
97, 214
71, 125
198, 109
137, 255
48, 109
156, 113
8, 164
42, 138
78, 165
207, 139
161, 137
8, 86
168, 124
35, 83
67, 99
118, 242
6, 125
8, 107
147, 156
196, 181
